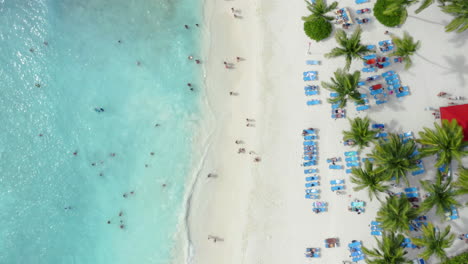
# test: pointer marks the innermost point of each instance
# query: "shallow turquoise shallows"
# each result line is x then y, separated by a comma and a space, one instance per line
61, 59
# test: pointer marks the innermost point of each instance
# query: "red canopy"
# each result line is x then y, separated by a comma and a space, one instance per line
458, 112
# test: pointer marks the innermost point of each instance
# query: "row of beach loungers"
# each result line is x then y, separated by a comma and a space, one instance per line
310, 89
310, 159
336, 111
356, 253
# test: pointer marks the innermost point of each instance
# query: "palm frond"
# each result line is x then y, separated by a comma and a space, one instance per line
434, 241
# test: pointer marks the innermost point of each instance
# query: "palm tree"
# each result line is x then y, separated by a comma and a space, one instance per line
345, 85
441, 196
462, 182
396, 213
405, 47
396, 6
395, 157
426, 3
434, 242
459, 9
360, 132
370, 179
446, 141
319, 10
388, 251
351, 48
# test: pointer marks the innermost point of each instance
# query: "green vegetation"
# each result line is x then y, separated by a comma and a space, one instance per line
460, 259
426, 3
446, 141
360, 132
351, 48
318, 29
370, 179
405, 47
462, 182
395, 157
441, 196
397, 17
319, 10
434, 242
345, 85
458, 9
388, 251
396, 213
317, 25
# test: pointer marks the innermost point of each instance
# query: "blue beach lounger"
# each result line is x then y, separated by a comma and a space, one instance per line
352, 158
376, 233
310, 143
334, 94
387, 74
352, 164
381, 135
309, 73
312, 191
411, 189
351, 153
362, 107
361, 257
389, 42
313, 102
312, 62
337, 182
349, 170
312, 184
414, 173
310, 78
335, 167
367, 159
374, 92
313, 157
379, 102
412, 195
312, 178
309, 171
311, 88
361, 84
337, 188
378, 126
402, 94
312, 196
335, 106
356, 244
369, 69
370, 47
309, 163
375, 223
311, 137
369, 57
308, 93
385, 64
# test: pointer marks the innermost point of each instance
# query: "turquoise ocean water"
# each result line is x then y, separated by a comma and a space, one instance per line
54, 205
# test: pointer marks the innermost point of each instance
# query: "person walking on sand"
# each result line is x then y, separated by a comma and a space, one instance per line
215, 238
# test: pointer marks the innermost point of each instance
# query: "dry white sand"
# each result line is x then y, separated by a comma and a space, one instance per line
259, 209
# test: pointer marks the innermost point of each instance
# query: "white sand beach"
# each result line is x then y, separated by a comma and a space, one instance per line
258, 208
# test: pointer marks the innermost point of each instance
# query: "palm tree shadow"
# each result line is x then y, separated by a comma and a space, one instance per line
443, 23
459, 39
433, 62
459, 66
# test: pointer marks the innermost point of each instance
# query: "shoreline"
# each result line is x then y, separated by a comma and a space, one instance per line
224, 116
